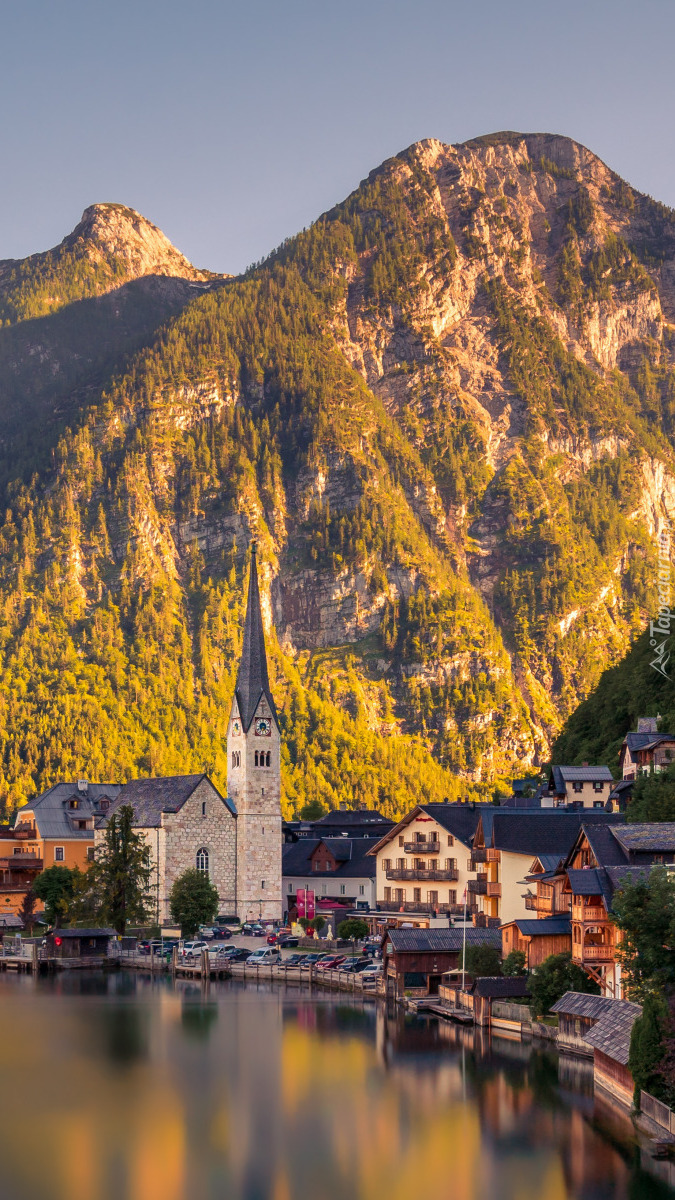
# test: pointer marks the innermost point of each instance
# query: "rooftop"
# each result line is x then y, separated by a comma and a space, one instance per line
448, 940
545, 927
647, 836
149, 798
56, 818
611, 1034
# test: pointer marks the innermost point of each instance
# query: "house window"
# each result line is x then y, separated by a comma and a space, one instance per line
73, 804
598, 785
451, 840
323, 889
342, 889
90, 853
420, 837
401, 841
58, 854
386, 864
417, 895
105, 805
432, 898
387, 895
400, 864
399, 895
202, 860
452, 896
316, 865
433, 864
578, 786
362, 889
598, 804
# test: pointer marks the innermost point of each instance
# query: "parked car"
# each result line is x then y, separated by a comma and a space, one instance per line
355, 964
239, 954
208, 933
220, 950
148, 947
267, 955
293, 960
310, 960
287, 941
252, 929
330, 962
193, 949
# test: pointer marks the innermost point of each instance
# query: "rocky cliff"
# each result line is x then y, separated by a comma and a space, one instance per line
446, 412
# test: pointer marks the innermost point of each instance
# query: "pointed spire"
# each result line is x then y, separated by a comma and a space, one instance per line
252, 678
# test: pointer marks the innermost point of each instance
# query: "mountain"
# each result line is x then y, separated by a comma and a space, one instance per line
445, 411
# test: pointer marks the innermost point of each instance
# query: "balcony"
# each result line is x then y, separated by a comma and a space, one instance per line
492, 855
482, 921
478, 887
23, 832
589, 912
422, 847
530, 903
494, 889
588, 953
479, 855
444, 876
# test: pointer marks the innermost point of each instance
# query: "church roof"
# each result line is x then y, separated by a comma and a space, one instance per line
149, 798
252, 678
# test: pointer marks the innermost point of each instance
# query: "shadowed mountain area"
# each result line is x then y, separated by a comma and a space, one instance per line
445, 412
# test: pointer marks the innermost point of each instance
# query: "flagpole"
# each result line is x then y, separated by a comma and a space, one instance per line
464, 942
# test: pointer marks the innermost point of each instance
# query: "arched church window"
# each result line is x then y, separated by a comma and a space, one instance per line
203, 860
268, 762
256, 758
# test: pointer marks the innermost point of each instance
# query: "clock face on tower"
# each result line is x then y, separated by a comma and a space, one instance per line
263, 727
236, 727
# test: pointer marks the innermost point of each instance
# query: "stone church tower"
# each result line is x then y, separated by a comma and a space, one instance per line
254, 772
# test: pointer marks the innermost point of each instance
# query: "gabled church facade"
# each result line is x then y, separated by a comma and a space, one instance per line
235, 839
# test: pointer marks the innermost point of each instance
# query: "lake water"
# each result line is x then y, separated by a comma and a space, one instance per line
121, 1087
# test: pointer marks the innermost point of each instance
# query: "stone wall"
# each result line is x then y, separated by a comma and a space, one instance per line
190, 829
256, 792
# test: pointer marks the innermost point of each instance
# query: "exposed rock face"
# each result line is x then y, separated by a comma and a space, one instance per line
114, 233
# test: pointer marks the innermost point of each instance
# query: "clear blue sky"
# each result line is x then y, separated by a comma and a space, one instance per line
233, 124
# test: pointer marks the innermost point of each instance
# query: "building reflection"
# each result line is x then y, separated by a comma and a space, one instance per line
140, 1089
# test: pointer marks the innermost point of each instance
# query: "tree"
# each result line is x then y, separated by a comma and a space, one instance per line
514, 963
120, 876
27, 910
353, 929
56, 887
647, 1050
312, 810
193, 901
644, 911
555, 976
482, 960
653, 797
318, 923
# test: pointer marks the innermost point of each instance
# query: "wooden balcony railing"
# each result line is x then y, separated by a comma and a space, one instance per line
478, 855
492, 855
494, 889
445, 875
422, 847
589, 912
588, 953
478, 887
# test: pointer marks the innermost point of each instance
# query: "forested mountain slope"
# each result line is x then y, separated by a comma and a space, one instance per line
445, 411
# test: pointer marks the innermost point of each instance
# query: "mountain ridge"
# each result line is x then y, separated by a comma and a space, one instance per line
446, 413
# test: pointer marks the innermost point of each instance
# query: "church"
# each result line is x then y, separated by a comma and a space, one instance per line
236, 839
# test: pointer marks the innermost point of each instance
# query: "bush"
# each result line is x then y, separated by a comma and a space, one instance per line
193, 901
353, 929
482, 960
514, 963
557, 975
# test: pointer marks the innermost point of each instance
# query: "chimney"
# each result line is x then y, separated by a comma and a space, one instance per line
83, 786
584, 764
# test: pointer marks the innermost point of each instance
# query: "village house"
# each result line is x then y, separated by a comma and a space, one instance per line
504, 845
415, 959
339, 870
55, 829
537, 939
340, 822
600, 1027
423, 864
646, 749
581, 787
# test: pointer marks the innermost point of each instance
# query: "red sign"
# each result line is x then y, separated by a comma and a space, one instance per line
304, 898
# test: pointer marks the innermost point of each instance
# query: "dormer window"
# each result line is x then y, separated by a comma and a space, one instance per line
104, 805
73, 804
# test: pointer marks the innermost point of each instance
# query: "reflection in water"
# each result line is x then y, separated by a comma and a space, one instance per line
134, 1088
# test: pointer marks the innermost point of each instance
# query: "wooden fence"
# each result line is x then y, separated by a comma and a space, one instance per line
658, 1112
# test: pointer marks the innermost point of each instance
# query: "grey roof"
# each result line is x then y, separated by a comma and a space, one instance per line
545, 927
580, 1004
562, 775
618, 876
585, 881
252, 678
77, 933
352, 854
542, 832
611, 1034
54, 817
500, 986
635, 741
353, 816
646, 836
608, 852
149, 798
461, 820
550, 862
449, 940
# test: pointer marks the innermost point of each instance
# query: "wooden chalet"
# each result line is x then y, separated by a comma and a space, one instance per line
77, 944
537, 939
646, 749
415, 959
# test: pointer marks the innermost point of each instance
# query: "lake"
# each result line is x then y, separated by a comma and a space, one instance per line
124, 1087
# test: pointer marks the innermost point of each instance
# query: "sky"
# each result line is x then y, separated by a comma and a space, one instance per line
232, 124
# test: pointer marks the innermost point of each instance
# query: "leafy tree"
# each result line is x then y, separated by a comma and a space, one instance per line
318, 923
653, 797
482, 960
352, 929
57, 887
193, 901
644, 911
312, 810
120, 876
514, 963
27, 910
647, 1050
555, 976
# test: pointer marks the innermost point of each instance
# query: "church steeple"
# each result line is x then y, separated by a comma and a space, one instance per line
252, 678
